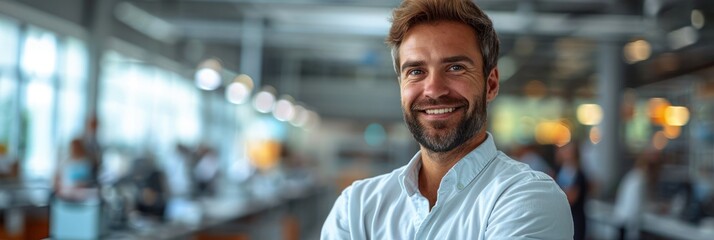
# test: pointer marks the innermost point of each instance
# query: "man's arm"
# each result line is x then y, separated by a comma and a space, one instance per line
337, 223
532, 209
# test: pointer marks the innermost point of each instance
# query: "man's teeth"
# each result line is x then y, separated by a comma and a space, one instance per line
440, 111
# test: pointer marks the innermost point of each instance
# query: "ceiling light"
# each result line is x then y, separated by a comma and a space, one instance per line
208, 75
263, 101
208, 79
238, 91
682, 37
637, 51
284, 109
697, 18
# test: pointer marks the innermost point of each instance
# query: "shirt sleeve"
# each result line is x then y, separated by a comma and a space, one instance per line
336, 225
533, 209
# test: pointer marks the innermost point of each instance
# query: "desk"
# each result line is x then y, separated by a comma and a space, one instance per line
660, 225
215, 213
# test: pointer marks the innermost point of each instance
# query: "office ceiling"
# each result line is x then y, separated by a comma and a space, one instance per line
330, 55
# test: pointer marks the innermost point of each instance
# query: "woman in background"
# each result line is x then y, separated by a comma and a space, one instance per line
76, 174
572, 180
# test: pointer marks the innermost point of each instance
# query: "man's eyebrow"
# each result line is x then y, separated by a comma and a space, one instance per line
409, 64
459, 58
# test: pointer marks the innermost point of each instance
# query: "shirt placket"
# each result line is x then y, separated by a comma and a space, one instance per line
445, 191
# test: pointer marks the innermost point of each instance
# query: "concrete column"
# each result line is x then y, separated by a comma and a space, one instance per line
251, 54
610, 84
99, 31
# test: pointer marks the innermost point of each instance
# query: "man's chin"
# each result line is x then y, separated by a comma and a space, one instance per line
437, 126
441, 136
437, 146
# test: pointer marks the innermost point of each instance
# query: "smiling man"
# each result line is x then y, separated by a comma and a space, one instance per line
458, 186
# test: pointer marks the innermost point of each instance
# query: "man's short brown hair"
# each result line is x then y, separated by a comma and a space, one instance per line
413, 12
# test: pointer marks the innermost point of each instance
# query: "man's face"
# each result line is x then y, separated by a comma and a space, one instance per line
443, 90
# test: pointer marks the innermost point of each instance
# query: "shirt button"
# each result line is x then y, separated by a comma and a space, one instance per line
460, 186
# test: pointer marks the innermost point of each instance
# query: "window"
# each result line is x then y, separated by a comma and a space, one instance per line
38, 65
147, 105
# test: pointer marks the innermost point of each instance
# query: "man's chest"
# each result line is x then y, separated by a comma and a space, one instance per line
455, 218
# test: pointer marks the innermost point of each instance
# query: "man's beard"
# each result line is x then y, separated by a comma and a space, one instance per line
468, 126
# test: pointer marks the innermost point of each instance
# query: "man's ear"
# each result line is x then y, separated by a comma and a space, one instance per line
492, 85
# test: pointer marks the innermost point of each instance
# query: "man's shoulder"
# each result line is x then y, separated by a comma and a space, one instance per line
506, 167
525, 202
386, 181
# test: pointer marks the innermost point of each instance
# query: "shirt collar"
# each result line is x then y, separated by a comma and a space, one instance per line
464, 171
410, 175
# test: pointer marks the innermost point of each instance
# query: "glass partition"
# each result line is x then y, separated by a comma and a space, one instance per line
9, 35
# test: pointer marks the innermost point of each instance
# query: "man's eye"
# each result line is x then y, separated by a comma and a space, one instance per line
456, 68
415, 72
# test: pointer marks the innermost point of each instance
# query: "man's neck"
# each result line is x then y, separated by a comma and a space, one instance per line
434, 165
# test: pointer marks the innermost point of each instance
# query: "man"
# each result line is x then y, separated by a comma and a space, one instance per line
458, 186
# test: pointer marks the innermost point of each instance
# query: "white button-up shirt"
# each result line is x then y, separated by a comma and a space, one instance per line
486, 195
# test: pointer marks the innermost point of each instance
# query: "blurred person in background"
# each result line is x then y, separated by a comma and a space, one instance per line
178, 175
205, 171
76, 174
458, 186
8, 166
151, 187
633, 192
697, 205
572, 180
90, 140
528, 154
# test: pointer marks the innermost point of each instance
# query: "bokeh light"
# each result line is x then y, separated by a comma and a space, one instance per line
589, 114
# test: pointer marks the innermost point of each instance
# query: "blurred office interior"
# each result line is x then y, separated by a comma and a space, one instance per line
243, 119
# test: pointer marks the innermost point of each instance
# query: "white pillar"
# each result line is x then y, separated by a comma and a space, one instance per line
610, 82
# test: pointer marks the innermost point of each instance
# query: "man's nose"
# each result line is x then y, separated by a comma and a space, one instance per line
435, 86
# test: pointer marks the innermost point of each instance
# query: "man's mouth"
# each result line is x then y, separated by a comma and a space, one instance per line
439, 110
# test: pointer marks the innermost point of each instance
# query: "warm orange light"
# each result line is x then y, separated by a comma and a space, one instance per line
656, 110
671, 132
264, 154
676, 116
552, 132
595, 135
659, 140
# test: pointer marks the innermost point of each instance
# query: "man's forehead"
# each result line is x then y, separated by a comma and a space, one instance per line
441, 53
445, 38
